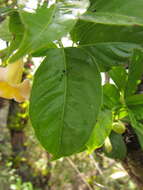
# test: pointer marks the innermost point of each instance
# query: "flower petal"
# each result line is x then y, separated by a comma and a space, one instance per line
18, 92
25, 88
3, 73
12, 73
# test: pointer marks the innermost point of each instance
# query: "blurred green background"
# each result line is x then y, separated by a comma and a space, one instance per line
25, 165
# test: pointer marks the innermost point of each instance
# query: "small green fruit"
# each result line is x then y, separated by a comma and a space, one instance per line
119, 127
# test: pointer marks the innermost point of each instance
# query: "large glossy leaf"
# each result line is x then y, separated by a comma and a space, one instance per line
119, 76
112, 22
101, 130
135, 72
128, 8
65, 101
116, 12
91, 33
111, 54
48, 24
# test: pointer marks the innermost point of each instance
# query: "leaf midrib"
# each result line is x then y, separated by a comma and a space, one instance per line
64, 102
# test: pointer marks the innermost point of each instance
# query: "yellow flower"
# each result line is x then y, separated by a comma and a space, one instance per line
11, 86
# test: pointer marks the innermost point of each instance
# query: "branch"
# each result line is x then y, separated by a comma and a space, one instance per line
81, 176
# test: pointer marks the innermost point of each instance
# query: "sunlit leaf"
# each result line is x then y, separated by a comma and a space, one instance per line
101, 130
111, 96
48, 24
65, 101
119, 76
4, 30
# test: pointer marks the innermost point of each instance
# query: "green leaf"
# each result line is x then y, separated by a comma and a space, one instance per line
119, 76
111, 19
5, 10
65, 100
101, 130
138, 127
109, 54
111, 96
137, 111
4, 30
128, 8
17, 30
58, 20
122, 113
43, 51
119, 149
136, 99
135, 72
115, 22
92, 6
91, 33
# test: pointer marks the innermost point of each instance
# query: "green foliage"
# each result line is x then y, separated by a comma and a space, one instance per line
111, 96
97, 33
4, 30
18, 185
111, 24
119, 76
102, 129
16, 27
137, 125
137, 111
6, 10
68, 108
128, 8
110, 54
135, 72
136, 99
119, 150
64, 114
58, 20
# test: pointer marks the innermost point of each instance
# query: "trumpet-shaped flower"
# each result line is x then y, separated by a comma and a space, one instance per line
11, 86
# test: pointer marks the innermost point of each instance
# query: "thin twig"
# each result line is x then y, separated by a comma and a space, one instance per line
81, 176
96, 165
79, 173
107, 78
